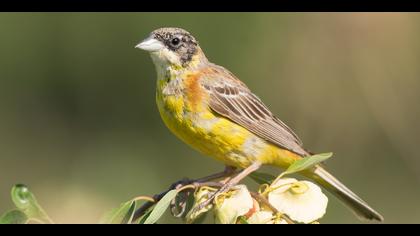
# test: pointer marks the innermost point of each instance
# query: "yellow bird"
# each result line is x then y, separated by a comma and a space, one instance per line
210, 109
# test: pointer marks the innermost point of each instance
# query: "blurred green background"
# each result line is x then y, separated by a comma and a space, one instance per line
79, 125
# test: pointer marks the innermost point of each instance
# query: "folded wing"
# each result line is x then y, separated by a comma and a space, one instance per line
230, 98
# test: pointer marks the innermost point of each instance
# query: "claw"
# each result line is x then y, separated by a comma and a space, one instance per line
230, 183
225, 188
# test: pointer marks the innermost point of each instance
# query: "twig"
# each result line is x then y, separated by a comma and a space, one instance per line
264, 200
146, 198
184, 183
141, 210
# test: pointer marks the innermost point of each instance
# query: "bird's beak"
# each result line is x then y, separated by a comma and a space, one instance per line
150, 44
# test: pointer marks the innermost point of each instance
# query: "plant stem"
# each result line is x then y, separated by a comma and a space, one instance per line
183, 184
264, 201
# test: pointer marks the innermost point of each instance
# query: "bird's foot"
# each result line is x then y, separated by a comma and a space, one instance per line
225, 188
229, 183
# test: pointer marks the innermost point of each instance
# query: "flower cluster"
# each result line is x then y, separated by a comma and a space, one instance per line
287, 200
278, 201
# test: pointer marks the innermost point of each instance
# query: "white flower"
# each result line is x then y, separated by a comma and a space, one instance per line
265, 217
302, 201
231, 205
261, 217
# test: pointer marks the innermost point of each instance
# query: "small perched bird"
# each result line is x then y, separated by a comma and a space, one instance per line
210, 109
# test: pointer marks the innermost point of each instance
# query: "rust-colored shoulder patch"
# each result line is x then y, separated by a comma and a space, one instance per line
194, 92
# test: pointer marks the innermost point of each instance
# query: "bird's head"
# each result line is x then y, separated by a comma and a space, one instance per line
172, 47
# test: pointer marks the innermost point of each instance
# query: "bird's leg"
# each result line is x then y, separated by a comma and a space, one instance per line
230, 183
227, 172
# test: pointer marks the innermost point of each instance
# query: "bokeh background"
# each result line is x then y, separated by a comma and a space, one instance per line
79, 125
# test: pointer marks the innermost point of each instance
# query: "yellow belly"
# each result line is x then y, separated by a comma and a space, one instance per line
217, 136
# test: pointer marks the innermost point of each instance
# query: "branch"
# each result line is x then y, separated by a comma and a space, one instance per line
181, 183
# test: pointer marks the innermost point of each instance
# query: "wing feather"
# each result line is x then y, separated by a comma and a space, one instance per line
230, 98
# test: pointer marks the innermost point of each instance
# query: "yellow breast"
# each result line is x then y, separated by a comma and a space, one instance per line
183, 107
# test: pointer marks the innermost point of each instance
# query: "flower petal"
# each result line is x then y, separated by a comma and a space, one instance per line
261, 217
302, 201
233, 204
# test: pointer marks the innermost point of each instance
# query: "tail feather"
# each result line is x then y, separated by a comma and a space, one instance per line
354, 202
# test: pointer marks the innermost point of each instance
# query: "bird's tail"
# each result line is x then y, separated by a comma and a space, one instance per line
350, 199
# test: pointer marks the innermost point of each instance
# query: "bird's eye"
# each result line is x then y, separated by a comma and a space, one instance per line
175, 41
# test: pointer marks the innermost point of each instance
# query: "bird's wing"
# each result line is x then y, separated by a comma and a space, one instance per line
231, 98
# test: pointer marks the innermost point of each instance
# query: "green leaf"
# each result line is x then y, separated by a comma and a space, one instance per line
161, 207
144, 217
262, 178
242, 220
189, 204
183, 204
120, 215
26, 202
14, 217
130, 214
306, 163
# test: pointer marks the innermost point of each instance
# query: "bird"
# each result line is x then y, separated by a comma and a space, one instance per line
210, 109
